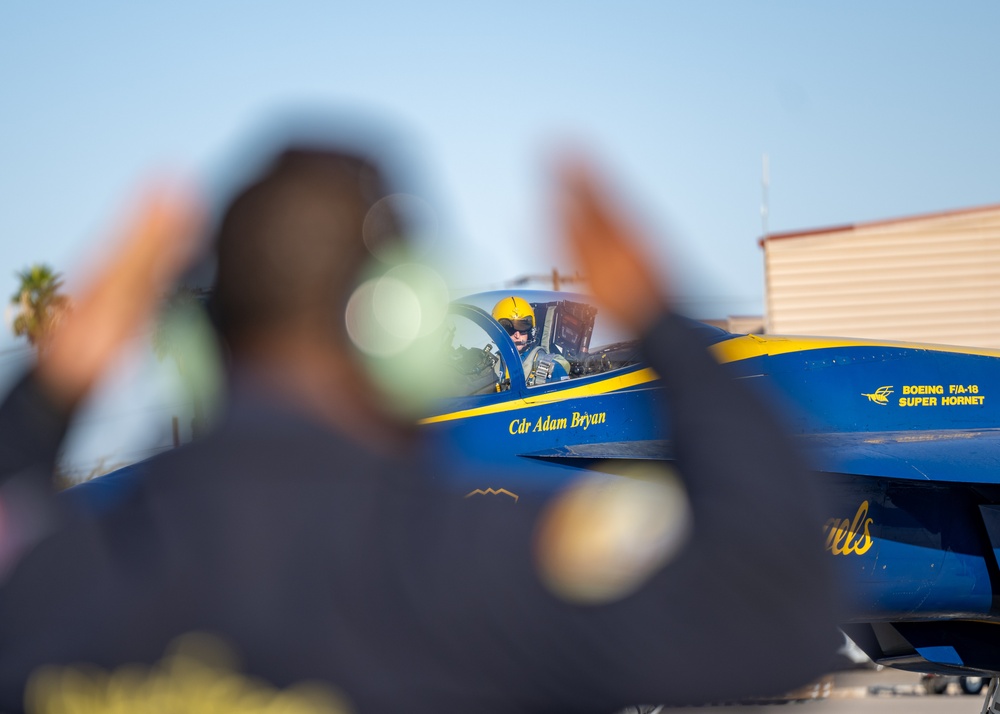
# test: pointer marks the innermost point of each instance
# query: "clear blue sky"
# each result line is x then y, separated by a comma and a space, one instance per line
866, 110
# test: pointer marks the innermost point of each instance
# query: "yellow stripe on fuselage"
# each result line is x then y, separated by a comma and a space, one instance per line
731, 350
748, 346
603, 386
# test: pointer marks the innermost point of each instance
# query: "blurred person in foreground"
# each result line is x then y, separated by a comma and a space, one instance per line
302, 551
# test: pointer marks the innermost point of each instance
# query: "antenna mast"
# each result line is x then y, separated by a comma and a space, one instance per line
765, 184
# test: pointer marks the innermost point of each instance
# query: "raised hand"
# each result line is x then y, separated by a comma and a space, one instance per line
157, 242
606, 246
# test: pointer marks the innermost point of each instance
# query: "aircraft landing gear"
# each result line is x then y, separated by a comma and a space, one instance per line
991, 705
971, 685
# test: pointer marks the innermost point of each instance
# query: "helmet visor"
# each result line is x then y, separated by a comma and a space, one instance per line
522, 325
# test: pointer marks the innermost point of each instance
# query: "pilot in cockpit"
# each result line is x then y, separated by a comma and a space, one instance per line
517, 318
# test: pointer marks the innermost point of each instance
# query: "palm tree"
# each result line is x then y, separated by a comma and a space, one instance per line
40, 303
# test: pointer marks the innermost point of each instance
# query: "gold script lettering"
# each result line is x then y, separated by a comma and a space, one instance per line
844, 536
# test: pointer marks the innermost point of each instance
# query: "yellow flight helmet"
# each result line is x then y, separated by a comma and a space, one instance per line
515, 315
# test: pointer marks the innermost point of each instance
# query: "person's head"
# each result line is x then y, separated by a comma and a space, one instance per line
516, 317
292, 245
291, 249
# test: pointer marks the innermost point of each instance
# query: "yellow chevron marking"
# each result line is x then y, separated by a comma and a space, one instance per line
492, 492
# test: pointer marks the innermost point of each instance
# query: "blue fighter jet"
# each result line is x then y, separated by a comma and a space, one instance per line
907, 436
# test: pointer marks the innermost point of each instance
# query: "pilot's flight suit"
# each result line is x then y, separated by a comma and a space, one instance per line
316, 559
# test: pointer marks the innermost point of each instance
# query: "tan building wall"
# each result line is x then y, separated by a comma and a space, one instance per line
929, 278
739, 324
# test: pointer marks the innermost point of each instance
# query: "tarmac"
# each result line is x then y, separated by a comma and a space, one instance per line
858, 691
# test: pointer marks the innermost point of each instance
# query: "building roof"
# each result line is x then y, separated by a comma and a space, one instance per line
882, 222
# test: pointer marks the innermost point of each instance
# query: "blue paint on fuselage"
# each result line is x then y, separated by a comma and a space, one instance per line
906, 439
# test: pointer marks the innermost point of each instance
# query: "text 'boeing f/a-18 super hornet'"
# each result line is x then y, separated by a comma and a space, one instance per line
906, 435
